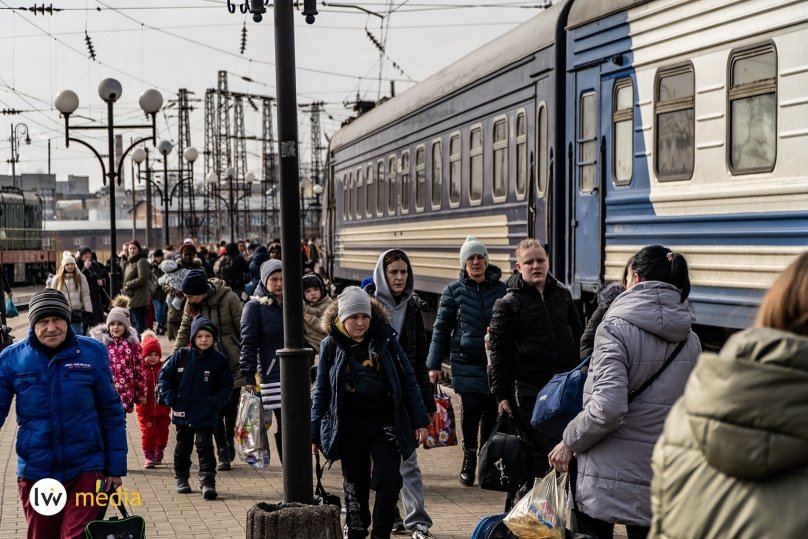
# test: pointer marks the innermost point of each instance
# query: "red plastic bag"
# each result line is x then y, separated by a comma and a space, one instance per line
442, 428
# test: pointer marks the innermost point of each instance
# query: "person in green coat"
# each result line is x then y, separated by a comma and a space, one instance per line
733, 458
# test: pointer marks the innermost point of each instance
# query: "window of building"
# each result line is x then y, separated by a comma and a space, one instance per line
369, 190
675, 113
541, 143
437, 175
420, 178
753, 110
623, 130
500, 156
476, 164
521, 154
380, 181
455, 171
587, 141
392, 192
405, 182
360, 193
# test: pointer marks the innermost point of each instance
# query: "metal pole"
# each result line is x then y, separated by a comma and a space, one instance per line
13, 160
113, 231
166, 228
295, 357
134, 213
231, 210
149, 210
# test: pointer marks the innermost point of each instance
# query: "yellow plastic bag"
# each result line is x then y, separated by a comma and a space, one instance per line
540, 514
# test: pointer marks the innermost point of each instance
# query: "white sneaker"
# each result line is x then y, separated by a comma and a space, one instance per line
422, 532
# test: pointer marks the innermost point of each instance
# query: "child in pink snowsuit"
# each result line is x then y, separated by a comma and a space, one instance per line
153, 418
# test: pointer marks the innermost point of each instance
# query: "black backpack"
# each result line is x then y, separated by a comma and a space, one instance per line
231, 274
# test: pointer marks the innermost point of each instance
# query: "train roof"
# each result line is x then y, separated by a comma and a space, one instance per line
585, 11
536, 33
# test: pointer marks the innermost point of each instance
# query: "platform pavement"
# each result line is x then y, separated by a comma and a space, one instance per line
455, 509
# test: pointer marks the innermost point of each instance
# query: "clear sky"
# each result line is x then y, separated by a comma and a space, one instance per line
171, 44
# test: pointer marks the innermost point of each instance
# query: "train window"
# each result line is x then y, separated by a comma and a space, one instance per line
587, 142
437, 175
675, 123
392, 193
380, 181
753, 110
521, 154
351, 203
541, 142
454, 170
369, 190
345, 195
420, 178
405, 182
360, 193
500, 150
623, 131
476, 164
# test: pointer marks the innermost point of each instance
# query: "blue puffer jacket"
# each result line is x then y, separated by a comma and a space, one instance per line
261, 337
464, 314
69, 415
326, 409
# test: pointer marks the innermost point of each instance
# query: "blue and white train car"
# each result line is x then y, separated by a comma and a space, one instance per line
474, 149
687, 126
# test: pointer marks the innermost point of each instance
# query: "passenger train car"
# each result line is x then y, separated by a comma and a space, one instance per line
597, 127
22, 256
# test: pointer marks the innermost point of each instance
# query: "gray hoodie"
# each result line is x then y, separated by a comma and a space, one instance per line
398, 310
613, 439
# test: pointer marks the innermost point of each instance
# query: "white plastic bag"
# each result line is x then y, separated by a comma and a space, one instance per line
250, 435
540, 513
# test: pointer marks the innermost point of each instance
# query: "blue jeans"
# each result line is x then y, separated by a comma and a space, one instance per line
412, 494
160, 312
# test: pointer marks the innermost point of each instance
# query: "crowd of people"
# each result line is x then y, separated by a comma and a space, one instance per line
373, 379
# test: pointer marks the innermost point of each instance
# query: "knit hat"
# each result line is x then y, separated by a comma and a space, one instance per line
200, 322
149, 344
365, 282
312, 280
353, 300
48, 302
268, 268
195, 283
84, 250
157, 252
68, 260
472, 246
187, 245
119, 314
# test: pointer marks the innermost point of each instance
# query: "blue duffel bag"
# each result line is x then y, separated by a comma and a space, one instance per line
560, 400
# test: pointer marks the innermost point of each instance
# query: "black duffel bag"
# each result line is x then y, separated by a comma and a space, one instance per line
503, 458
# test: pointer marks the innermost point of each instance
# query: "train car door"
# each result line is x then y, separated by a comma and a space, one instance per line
586, 187
541, 165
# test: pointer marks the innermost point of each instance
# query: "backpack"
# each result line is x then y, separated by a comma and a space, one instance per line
154, 285
230, 273
492, 527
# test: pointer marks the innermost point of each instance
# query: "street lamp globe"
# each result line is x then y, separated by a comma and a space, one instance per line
66, 102
211, 178
139, 155
110, 90
165, 147
318, 189
150, 101
190, 154
230, 172
249, 178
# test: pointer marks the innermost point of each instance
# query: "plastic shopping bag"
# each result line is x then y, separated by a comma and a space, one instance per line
540, 514
250, 436
11, 309
442, 428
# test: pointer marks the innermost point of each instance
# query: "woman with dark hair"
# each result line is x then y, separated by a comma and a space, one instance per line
613, 437
606, 295
733, 458
136, 275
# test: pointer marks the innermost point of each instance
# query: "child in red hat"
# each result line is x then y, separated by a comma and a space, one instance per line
153, 418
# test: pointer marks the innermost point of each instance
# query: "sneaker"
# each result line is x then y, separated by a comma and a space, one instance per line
149, 464
422, 532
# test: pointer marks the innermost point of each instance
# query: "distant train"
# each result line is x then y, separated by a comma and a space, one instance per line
23, 257
597, 127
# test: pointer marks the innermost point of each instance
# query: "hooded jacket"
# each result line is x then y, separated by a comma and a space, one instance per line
327, 401
407, 320
261, 337
69, 417
99, 297
464, 314
611, 438
223, 308
733, 458
312, 330
200, 389
136, 275
606, 296
126, 364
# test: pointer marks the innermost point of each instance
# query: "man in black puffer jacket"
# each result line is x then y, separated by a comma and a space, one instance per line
535, 333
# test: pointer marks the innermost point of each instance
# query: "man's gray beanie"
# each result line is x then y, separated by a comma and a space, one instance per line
268, 268
353, 300
48, 302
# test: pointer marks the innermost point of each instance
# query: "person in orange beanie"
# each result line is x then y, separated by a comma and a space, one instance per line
152, 417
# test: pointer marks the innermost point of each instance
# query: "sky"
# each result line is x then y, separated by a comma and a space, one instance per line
172, 44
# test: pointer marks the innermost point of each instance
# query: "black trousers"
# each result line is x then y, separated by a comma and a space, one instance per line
204, 451
478, 414
363, 441
583, 523
226, 424
538, 444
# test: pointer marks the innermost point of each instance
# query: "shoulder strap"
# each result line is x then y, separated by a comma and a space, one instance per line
636, 393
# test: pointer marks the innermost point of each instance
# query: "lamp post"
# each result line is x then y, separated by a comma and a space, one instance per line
318, 190
165, 148
190, 154
17, 132
139, 156
109, 90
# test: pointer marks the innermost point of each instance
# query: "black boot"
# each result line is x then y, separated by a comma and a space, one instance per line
469, 467
279, 446
182, 485
224, 459
208, 485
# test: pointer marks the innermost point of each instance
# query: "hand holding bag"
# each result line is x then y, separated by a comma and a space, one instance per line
250, 436
129, 526
442, 429
503, 458
321, 496
540, 514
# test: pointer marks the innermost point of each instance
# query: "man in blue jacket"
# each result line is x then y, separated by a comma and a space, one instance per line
71, 422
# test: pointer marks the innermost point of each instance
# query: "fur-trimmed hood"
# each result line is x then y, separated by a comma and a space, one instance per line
378, 312
609, 293
101, 334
